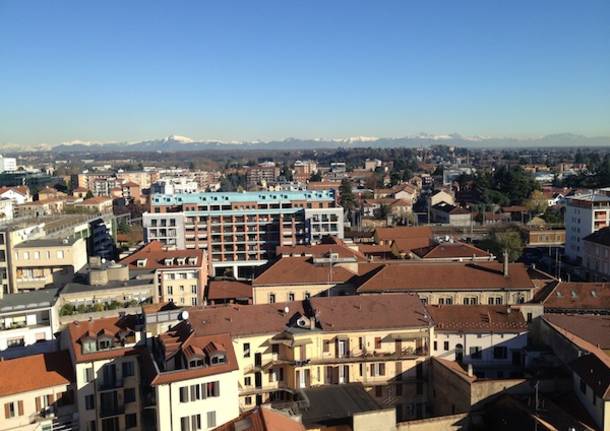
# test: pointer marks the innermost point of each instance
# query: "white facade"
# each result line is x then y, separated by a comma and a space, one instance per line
177, 185
16, 197
584, 215
6, 209
8, 164
208, 410
484, 350
27, 331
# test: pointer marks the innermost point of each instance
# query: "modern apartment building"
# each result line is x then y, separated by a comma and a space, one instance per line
107, 372
585, 214
381, 341
240, 231
596, 255
182, 274
28, 323
263, 173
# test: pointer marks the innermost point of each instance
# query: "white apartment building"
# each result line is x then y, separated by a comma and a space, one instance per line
585, 214
174, 185
8, 164
27, 323
490, 338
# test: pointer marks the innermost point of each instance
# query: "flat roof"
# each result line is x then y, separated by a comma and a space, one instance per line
43, 298
47, 242
263, 196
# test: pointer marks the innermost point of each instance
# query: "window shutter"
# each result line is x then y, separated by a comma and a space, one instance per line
20, 408
38, 406
7, 411
51, 399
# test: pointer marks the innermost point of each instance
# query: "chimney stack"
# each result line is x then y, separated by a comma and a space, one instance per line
505, 265
470, 371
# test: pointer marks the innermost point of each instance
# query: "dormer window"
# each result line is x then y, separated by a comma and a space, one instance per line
104, 343
169, 261
196, 363
192, 261
141, 263
218, 359
89, 345
181, 261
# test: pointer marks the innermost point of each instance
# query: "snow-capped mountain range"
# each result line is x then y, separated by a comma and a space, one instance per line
175, 143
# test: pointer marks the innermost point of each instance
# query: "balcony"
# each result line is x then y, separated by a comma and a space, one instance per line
109, 385
108, 411
357, 357
268, 387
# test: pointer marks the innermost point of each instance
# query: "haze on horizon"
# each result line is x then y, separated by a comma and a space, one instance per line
131, 71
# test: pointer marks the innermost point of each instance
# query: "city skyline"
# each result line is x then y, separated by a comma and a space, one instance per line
314, 70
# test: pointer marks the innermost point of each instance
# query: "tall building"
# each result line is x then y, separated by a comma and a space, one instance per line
262, 173
241, 230
585, 213
8, 164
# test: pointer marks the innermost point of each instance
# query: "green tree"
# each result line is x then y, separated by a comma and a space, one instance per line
89, 195
315, 177
553, 216
347, 196
383, 212
537, 203
509, 241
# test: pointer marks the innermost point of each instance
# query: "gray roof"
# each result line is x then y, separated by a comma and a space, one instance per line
44, 298
334, 403
47, 242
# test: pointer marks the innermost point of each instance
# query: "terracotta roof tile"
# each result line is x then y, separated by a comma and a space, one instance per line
262, 419
450, 250
410, 232
576, 296
228, 289
413, 277
477, 318
35, 372
300, 270
594, 329
155, 256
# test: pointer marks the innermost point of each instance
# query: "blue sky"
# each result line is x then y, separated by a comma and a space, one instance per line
132, 70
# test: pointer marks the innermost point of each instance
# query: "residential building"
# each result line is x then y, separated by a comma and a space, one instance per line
596, 255
39, 263
222, 291
544, 237
37, 393
304, 169
452, 283
561, 297
439, 197
8, 164
261, 174
585, 214
380, 341
97, 204
174, 185
28, 323
143, 178
444, 213
194, 378
40, 208
107, 372
491, 338
266, 419
17, 194
107, 286
182, 274
240, 231
417, 236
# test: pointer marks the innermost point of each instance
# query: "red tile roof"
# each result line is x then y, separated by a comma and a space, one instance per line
405, 245
155, 257
594, 329
450, 250
413, 277
30, 373
182, 338
111, 325
594, 369
576, 296
228, 289
300, 270
262, 419
336, 313
320, 250
477, 318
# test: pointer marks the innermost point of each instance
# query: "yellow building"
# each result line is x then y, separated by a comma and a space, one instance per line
381, 341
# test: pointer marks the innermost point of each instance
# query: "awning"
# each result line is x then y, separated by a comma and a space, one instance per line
398, 336
284, 341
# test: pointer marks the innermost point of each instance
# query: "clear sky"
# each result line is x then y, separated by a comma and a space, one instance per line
132, 70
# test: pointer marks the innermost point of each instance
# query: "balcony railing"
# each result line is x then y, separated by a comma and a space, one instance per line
107, 411
355, 356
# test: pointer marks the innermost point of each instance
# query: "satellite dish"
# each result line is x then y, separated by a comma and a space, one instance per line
184, 315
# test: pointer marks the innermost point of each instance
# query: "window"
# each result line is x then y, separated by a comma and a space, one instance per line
307, 295
9, 410
185, 423
377, 369
211, 389
247, 381
195, 392
445, 345
326, 346
60, 254
500, 352
378, 342
272, 298
475, 352
246, 350
128, 369
88, 374
89, 402
361, 343
170, 290
194, 289
131, 420
291, 297
184, 396
129, 395
195, 422
15, 342
435, 346
211, 419
248, 401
